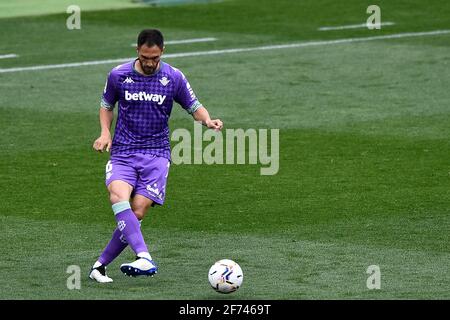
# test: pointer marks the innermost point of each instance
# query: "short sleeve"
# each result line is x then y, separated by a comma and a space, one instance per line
110, 94
185, 95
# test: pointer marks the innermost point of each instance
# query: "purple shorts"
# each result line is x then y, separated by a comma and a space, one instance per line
146, 173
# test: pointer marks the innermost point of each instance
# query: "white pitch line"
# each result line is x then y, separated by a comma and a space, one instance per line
7, 56
354, 26
236, 50
185, 41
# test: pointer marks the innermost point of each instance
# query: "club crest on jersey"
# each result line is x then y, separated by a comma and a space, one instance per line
144, 96
164, 81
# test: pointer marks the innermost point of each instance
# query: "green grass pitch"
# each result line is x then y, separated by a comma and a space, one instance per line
364, 173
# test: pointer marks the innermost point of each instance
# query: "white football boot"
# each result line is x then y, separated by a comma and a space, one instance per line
99, 274
140, 267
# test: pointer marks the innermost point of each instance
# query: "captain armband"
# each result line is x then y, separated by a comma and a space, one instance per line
194, 107
105, 105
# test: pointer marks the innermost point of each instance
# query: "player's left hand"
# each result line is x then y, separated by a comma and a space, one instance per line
215, 124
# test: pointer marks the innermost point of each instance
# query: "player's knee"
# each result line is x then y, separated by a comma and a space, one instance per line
115, 198
140, 209
119, 191
139, 213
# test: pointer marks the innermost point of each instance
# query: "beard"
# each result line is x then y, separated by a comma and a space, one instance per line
146, 69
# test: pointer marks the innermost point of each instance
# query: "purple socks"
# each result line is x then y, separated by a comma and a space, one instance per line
114, 248
127, 232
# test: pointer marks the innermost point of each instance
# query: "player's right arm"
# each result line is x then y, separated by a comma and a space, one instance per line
103, 143
106, 114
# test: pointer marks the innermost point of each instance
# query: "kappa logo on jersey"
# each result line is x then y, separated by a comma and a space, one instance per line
144, 96
164, 81
128, 80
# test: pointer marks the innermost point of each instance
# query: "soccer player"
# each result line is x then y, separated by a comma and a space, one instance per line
136, 173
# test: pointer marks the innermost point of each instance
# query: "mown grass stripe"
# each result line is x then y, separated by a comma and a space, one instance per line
235, 50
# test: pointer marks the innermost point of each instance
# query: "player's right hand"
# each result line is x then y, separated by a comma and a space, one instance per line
103, 143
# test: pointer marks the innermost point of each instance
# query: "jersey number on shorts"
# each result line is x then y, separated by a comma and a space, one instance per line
108, 166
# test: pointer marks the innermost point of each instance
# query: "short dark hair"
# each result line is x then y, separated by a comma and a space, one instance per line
151, 37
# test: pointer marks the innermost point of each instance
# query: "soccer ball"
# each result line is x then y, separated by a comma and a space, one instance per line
225, 276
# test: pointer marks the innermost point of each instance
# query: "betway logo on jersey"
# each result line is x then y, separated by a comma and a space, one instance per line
144, 96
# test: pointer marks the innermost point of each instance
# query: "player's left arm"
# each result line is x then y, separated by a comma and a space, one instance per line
201, 114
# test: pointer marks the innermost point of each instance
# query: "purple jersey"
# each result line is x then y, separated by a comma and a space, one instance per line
145, 104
